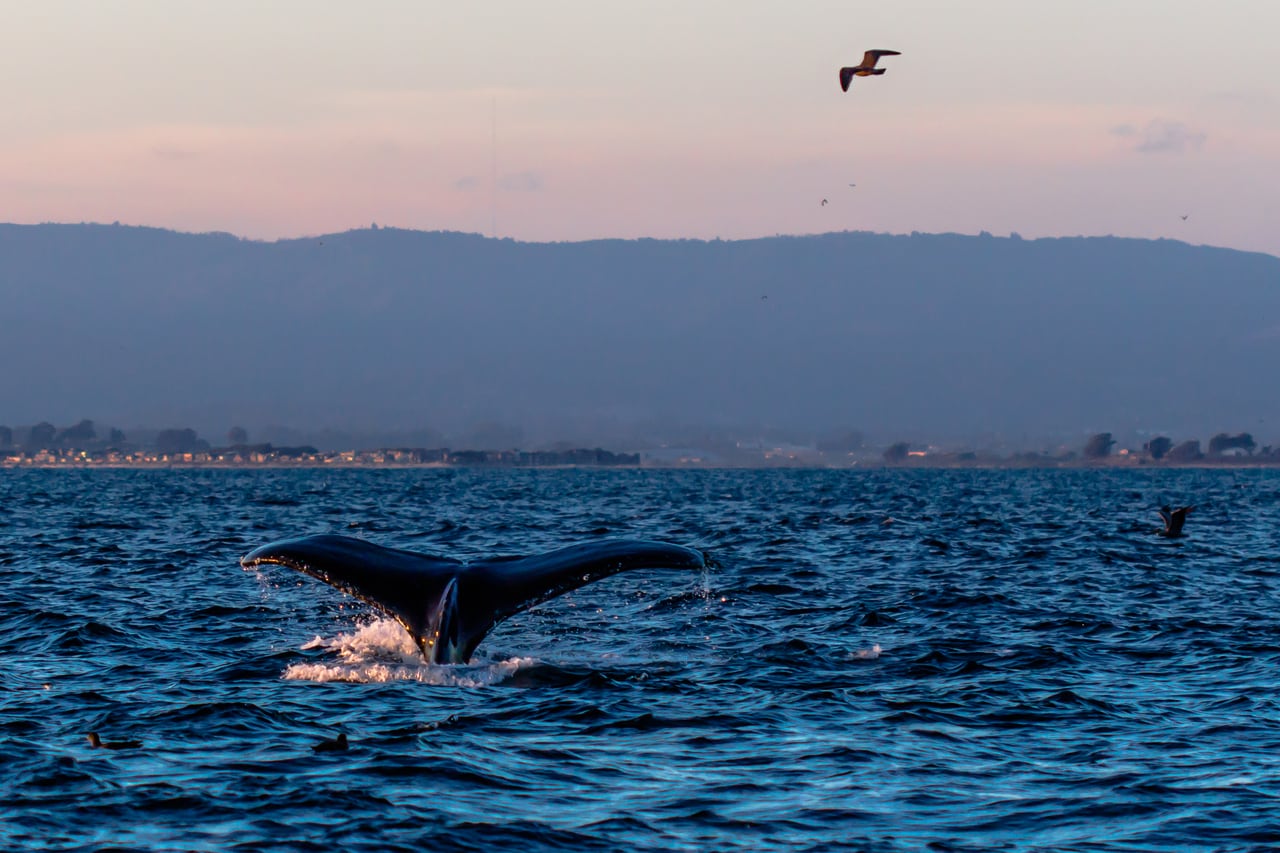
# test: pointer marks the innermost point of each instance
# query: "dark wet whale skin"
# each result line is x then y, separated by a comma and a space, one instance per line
449, 606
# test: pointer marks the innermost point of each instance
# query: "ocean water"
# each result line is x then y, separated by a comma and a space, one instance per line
878, 661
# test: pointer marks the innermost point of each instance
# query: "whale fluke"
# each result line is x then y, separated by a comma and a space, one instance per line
1173, 520
448, 606
866, 68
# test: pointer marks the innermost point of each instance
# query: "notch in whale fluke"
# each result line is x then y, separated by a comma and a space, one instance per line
448, 606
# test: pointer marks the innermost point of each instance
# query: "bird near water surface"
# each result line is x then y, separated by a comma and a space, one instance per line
99, 743
1173, 520
338, 744
866, 68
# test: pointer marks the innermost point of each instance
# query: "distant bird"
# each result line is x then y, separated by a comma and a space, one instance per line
1173, 520
99, 743
1184, 216
336, 745
853, 185
866, 68
824, 202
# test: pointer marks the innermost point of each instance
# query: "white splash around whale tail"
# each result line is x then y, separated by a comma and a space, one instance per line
382, 651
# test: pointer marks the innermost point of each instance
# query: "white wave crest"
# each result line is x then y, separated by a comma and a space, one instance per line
866, 654
383, 651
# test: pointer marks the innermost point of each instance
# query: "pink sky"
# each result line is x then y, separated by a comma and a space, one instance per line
663, 119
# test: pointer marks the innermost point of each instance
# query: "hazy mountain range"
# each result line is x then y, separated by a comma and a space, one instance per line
396, 335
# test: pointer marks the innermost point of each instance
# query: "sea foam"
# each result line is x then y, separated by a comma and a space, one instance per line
382, 651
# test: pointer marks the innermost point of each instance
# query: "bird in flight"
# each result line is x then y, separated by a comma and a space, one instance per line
824, 202
866, 68
1184, 216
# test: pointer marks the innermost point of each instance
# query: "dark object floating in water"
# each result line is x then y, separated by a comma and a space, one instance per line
866, 68
99, 743
448, 606
1173, 520
338, 744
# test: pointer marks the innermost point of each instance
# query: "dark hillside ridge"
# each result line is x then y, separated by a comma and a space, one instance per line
938, 337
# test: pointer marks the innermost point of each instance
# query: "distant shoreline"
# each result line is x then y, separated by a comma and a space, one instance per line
1242, 463
1225, 452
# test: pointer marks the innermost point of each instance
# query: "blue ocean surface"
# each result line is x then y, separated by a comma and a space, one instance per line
878, 661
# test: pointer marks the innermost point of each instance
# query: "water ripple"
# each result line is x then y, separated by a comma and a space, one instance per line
881, 661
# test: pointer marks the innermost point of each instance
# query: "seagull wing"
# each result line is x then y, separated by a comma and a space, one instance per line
870, 58
846, 77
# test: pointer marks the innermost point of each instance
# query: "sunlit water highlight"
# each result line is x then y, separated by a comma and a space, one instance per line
951, 660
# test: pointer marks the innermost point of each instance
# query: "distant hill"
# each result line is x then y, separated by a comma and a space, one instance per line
614, 342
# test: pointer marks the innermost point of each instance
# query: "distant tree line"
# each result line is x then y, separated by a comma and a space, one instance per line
46, 436
1222, 444
1099, 447
86, 436
1164, 448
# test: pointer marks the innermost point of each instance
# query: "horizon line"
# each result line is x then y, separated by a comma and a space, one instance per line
1014, 236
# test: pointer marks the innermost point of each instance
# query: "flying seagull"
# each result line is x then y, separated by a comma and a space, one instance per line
1173, 520
1184, 216
824, 203
866, 68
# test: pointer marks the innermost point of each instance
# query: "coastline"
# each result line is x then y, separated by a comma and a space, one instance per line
162, 464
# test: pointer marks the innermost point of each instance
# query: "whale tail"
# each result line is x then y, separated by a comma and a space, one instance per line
447, 606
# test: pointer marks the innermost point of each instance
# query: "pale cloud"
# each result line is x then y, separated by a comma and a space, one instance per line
1162, 135
526, 182
172, 152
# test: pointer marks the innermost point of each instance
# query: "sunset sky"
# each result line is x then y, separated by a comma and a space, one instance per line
578, 119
